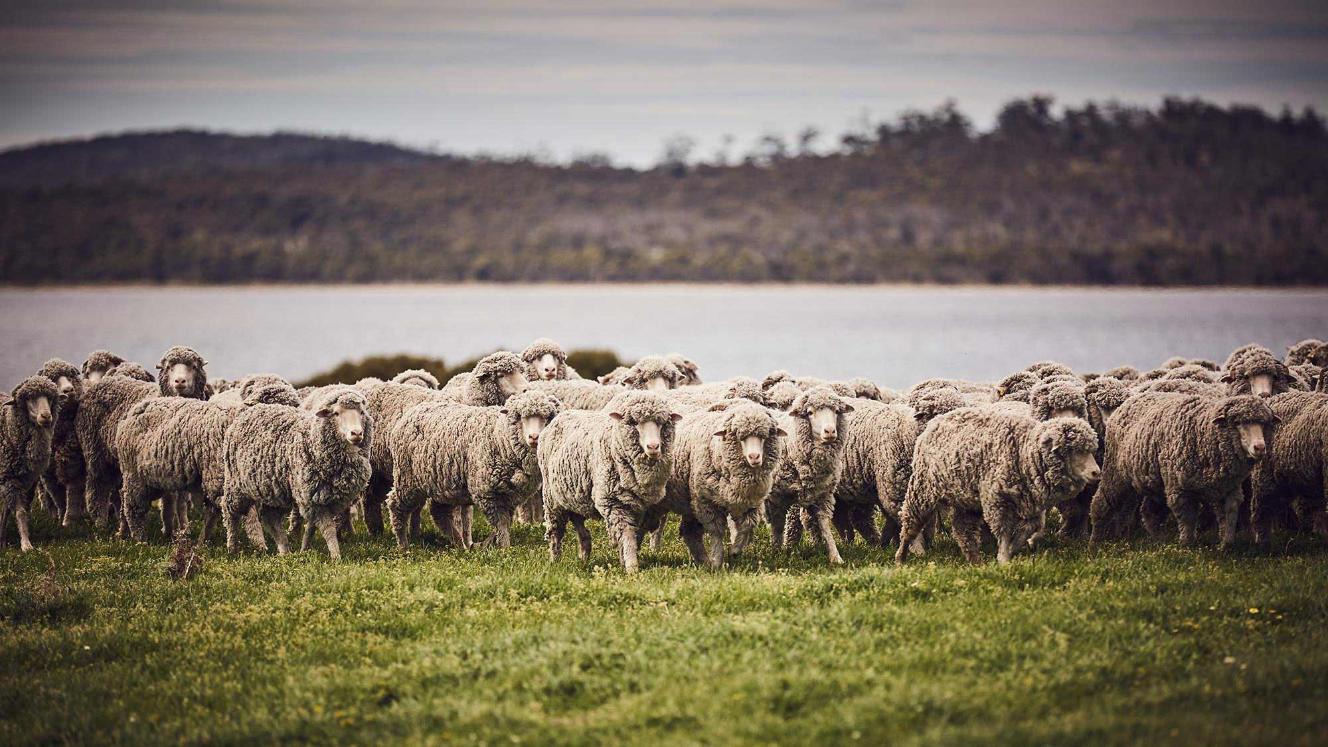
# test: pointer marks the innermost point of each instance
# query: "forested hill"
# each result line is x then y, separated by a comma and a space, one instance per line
1188, 193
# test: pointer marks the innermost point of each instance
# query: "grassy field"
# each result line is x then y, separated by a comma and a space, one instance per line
1143, 644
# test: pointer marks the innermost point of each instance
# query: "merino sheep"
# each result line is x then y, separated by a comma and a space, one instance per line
131, 370
702, 396
1016, 387
447, 455
654, 373
235, 394
1253, 369
1003, 468
105, 404
416, 377
1043, 369
691, 373
1296, 465
282, 458
174, 444
494, 378
611, 465
817, 424
723, 468
1179, 451
615, 376
781, 394
1124, 373
97, 364
388, 403
1104, 395
27, 423
63, 479
546, 360
580, 394
1307, 351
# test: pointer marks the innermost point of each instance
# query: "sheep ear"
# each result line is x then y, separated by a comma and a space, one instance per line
718, 407
720, 433
1228, 377
616, 415
921, 417
781, 432
326, 412
1220, 421
847, 408
675, 416
504, 411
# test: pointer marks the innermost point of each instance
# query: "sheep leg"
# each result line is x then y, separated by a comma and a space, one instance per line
233, 507
714, 531
582, 537
253, 528
1230, 516
74, 506
863, 516
445, 521
272, 519
623, 527
98, 495
501, 522
967, 528
167, 514
657, 537
1263, 503
690, 531
910, 530
776, 513
308, 529
209, 521
5, 500
1111, 498
372, 505
1185, 508
21, 506
843, 523
135, 501
823, 515
55, 496
744, 526
1153, 516
555, 521
467, 514
399, 515
792, 527
327, 524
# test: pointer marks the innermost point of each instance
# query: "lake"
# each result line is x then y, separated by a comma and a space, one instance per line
895, 335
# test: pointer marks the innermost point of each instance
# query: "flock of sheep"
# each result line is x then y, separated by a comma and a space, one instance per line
523, 438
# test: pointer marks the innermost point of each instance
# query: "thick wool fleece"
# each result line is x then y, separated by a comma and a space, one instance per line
702, 396
416, 377
63, 480
579, 394
594, 467
691, 373
191, 358
1052, 396
1043, 369
131, 370
239, 391
1104, 395
1124, 373
103, 406
711, 481
278, 458
1296, 465
537, 350
100, 361
1016, 386
25, 450
445, 455
388, 403
780, 395
1177, 451
809, 472
481, 387
992, 466
1302, 352
649, 368
1249, 361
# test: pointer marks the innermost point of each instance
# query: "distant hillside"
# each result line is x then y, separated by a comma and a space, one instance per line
153, 154
1188, 193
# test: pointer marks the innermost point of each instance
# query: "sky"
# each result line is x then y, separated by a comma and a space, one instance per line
619, 77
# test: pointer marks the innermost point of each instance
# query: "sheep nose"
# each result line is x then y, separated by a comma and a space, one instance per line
1258, 448
1094, 474
754, 460
533, 438
829, 434
44, 419
652, 448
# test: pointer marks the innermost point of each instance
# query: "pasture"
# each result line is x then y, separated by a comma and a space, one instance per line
1138, 643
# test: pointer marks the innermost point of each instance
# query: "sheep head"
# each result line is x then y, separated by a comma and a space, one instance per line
531, 411
1106, 393
348, 411
37, 400
823, 410
416, 377
687, 367
931, 403
502, 373
272, 394
1020, 381
651, 417
653, 373
1248, 418
1070, 446
67, 378
182, 373
753, 430
1058, 399
98, 363
545, 360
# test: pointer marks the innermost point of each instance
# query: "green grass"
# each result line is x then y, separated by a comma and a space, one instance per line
1144, 644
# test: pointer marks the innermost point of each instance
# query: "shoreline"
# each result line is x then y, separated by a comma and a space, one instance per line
682, 284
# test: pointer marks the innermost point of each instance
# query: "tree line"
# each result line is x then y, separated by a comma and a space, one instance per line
1185, 193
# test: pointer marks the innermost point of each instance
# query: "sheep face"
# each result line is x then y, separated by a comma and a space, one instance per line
348, 415
821, 408
531, 427
1261, 385
649, 433
1065, 413
39, 411
1084, 467
1245, 419
512, 383
658, 384
1252, 443
546, 367
750, 436
180, 377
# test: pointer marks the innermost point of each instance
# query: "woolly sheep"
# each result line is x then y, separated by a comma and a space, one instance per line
615, 376
999, 467
416, 377
546, 360
388, 403
1295, 465
174, 444
27, 422
702, 396
1306, 376
1253, 369
780, 395
723, 467
808, 474
611, 465
1179, 451
494, 378
1123, 373
446, 455
1303, 352
63, 479
691, 375
97, 364
1043, 369
654, 373
239, 391
131, 370
1016, 387
1103, 395
580, 394
281, 458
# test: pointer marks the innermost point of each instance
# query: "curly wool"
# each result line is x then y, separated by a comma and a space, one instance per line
191, 358
781, 395
711, 480
1124, 373
445, 454
25, 450
594, 467
537, 350
878, 460
1253, 360
615, 376
417, 377
691, 375
1296, 462
102, 407
1302, 352
1043, 369
650, 368
702, 396
100, 361
579, 394
481, 387
239, 391
988, 464
131, 370
63, 479
1305, 376
1016, 386
1175, 451
1053, 396
1191, 372
1103, 396
281, 458
810, 470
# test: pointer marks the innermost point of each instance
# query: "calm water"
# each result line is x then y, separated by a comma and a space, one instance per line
895, 335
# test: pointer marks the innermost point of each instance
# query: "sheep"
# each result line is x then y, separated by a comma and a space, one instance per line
781, 394
613, 465
106, 403
1179, 451
63, 479
27, 423
387, 404
546, 360
1124, 373
702, 396
1305, 376
1307, 351
990, 465
723, 467
174, 444
653, 372
280, 458
239, 390
1043, 369
615, 376
1103, 396
580, 394
416, 377
445, 455
687, 367
1253, 369
809, 472
494, 378
1016, 387
1179, 386
131, 370
973, 393
97, 364
1191, 372
1296, 464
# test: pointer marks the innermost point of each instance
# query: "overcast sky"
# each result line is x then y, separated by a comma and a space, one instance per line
614, 76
